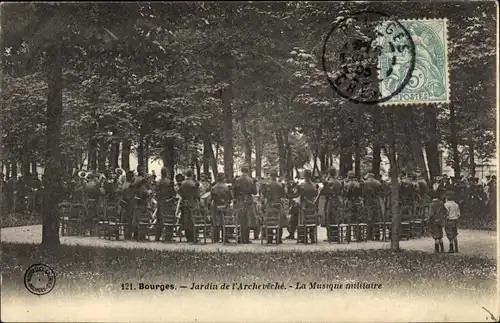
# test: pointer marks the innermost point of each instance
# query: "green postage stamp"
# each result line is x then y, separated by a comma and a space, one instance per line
429, 80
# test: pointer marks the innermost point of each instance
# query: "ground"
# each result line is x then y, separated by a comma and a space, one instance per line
471, 242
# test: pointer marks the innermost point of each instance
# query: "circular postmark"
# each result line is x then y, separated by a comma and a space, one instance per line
39, 279
368, 57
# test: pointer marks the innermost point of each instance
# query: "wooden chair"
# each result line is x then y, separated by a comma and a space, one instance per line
202, 227
170, 227
115, 224
308, 223
230, 227
64, 214
270, 227
142, 221
73, 224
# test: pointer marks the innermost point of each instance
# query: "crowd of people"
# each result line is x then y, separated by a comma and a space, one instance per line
337, 200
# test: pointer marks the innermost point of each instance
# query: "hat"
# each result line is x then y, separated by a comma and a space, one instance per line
350, 173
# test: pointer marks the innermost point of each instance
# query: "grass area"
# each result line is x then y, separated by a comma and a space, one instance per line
471, 221
19, 220
84, 269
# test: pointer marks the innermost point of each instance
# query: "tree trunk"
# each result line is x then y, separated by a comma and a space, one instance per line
289, 162
126, 154
281, 153
472, 159
198, 168
140, 150
431, 147
53, 187
206, 155
258, 152
33, 167
8, 175
146, 156
247, 140
25, 166
376, 148
228, 133
92, 151
376, 160
213, 159
169, 157
394, 174
14, 168
115, 152
357, 156
454, 141
103, 155
322, 159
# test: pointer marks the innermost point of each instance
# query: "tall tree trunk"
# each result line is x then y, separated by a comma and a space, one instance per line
394, 174
206, 155
168, 156
228, 132
14, 168
431, 147
258, 152
53, 187
322, 159
33, 167
103, 155
472, 158
213, 159
140, 150
454, 141
376, 148
247, 140
92, 151
146, 156
25, 166
281, 153
289, 162
357, 156
198, 168
115, 152
8, 175
376, 159
126, 154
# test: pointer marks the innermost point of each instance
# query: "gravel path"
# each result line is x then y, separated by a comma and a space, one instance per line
471, 242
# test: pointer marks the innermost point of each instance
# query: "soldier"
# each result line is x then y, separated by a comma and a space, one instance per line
221, 197
352, 193
244, 187
166, 203
92, 188
127, 191
436, 216
308, 193
190, 195
332, 189
273, 194
407, 193
371, 192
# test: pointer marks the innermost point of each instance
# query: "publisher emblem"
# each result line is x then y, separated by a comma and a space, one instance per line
39, 279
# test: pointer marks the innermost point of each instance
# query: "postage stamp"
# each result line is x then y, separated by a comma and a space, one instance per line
429, 80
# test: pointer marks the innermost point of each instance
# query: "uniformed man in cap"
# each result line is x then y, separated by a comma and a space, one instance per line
332, 189
308, 193
371, 192
166, 203
221, 197
127, 192
190, 194
353, 193
274, 194
244, 187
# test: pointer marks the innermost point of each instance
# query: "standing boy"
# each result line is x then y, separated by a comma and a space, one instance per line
451, 219
437, 213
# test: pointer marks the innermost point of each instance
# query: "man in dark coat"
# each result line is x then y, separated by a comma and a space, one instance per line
166, 203
127, 203
221, 197
308, 193
190, 194
371, 192
274, 193
244, 187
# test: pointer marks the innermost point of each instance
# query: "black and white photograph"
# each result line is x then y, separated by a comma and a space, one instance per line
248, 161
